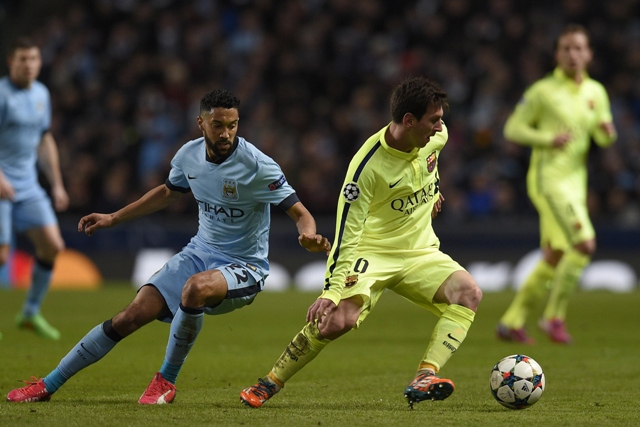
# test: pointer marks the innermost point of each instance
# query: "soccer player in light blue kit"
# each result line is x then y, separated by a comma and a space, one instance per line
25, 207
221, 269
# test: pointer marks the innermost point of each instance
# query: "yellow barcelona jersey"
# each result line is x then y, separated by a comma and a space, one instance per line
385, 205
553, 105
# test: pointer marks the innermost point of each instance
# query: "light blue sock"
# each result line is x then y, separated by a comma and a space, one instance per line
40, 280
185, 328
91, 348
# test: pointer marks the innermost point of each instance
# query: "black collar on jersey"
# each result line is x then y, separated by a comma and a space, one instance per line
222, 159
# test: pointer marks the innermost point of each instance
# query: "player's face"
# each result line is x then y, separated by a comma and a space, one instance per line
423, 129
219, 128
24, 66
573, 53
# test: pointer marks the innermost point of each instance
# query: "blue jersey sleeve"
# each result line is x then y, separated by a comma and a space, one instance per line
177, 179
270, 185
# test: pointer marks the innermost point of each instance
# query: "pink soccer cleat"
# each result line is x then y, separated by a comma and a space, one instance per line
159, 392
34, 391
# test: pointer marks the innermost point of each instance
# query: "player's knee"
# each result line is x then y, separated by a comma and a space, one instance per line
473, 296
587, 248
51, 251
199, 291
469, 295
4, 254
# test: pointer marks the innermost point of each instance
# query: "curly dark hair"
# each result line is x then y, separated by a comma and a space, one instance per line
416, 95
219, 98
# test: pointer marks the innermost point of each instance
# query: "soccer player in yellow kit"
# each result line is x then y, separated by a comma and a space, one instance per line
384, 240
557, 117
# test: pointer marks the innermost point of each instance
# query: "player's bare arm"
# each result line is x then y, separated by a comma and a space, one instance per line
6, 189
561, 140
50, 164
608, 128
153, 201
309, 238
437, 206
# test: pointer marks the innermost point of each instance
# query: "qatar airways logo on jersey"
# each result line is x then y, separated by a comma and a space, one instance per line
407, 205
220, 213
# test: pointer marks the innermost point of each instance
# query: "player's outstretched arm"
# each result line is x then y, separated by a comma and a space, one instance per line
155, 200
308, 239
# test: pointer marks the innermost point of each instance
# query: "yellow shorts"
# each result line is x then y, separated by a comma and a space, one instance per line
417, 276
564, 221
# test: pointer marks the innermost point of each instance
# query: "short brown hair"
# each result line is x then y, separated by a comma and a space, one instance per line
22, 42
571, 29
415, 95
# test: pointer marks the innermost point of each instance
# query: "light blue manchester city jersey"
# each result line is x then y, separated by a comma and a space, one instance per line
25, 114
234, 198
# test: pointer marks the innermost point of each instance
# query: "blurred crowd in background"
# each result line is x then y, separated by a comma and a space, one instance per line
314, 78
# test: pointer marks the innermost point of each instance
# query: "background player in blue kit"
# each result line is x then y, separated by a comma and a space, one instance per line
221, 269
25, 207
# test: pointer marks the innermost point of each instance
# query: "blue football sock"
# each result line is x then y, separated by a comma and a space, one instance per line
91, 348
185, 328
40, 280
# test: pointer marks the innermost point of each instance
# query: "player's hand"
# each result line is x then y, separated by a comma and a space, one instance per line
91, 223
315, 243
319, 310
561, 140
437, 206
608, 128
60, 198
6, 189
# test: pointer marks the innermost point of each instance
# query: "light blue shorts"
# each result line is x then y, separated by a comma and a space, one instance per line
243, 281
34, 212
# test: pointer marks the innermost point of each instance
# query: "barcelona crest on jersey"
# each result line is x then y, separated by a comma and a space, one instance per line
432, 160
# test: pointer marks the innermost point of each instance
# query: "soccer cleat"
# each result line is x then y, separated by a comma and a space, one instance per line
259, 393
39, 325
556, 330
159, 392
428, 386
34, 391
505, 333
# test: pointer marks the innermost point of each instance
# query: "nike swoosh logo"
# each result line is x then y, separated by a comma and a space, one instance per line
191, 177
85, 349
449, 335
180, 339
395, 183
162, 400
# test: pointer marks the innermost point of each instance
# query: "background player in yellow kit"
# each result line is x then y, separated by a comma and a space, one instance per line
384, 240
557, 117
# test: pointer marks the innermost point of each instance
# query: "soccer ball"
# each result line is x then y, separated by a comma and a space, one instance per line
517, 381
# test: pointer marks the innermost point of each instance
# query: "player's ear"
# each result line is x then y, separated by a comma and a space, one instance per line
408, 120
200, 121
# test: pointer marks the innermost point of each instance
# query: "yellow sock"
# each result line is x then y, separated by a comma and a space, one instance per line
447, 336
528, 296
304, 347
564, 283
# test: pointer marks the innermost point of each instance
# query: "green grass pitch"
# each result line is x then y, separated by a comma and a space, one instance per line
356, 381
